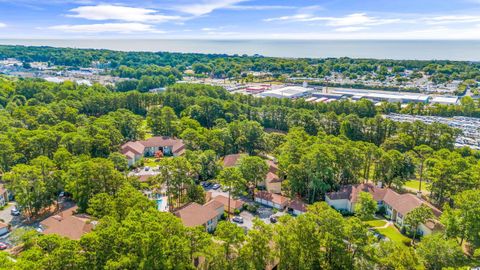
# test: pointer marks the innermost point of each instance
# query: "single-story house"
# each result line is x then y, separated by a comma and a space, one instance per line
396, 205
3, 228
297, 207
68, 224
4, 195
271, 199
194, 214
134, 151
234, 204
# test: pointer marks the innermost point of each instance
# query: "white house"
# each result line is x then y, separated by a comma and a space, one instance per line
397, 206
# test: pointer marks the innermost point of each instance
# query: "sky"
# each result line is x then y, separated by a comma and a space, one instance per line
240, 19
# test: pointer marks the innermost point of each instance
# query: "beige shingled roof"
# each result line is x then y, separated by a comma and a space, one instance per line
234, 204
67, 224
231, 160
278, 199
195, 214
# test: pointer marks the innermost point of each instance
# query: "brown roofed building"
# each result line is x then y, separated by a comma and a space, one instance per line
134, 151
297, 206
397, 205
234, 204
271, 199
67, 224
232, 160
194, 214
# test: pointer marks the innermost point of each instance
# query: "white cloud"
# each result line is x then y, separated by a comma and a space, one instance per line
355, 19
120, 13
204, 7
451, 19
106, 27
2, 25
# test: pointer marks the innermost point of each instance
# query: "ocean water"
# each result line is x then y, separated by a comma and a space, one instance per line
465, 50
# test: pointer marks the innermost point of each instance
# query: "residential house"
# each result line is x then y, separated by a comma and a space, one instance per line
396, 205
297, 207
271, 199
273, 183
4, 228
68, 224
232, 160
134, 151
194, 214
234, 204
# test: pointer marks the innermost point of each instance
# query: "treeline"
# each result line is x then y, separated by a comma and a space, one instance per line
224, 66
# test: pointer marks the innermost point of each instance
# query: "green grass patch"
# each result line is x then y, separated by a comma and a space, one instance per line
394, 235
150, 162
375, 223
413, 184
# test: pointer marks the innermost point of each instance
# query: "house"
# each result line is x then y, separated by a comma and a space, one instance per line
217, 207
273, 183
271, 199
194, 214
297, 207
4, 195
134, 151
234, 204
396, 205
4, 228
232, 160
68, 224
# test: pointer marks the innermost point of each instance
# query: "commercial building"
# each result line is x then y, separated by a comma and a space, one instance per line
288, 92
444, 100
377, 96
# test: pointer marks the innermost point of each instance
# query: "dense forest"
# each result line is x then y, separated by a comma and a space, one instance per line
66, 137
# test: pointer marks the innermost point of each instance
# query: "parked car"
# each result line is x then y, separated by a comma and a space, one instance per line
206, 184
216, 186
3, 246
238, 219
15, 212
273, 219
147, 168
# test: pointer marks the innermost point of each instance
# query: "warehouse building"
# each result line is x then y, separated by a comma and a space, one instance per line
288, 92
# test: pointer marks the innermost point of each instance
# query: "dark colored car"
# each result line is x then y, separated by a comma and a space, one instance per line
273, 219
15, 212
3, 246
237, 219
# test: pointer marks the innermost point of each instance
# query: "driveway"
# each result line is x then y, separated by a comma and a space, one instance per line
5, 215
263, 213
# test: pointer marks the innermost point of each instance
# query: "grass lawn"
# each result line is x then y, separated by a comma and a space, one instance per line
393, 234
413, 184
375, 223
150, 162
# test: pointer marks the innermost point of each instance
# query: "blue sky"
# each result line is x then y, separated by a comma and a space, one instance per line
243, 19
